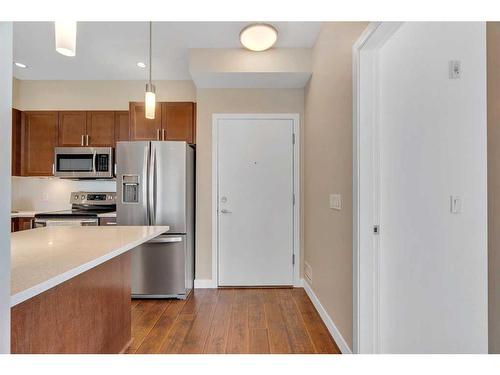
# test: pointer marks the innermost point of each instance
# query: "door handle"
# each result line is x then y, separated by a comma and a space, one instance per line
157, 134
150, 186
87, 137
224, 211
162, 134
165, 239
82, 140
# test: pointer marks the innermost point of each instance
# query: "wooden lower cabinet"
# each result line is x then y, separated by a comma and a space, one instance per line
20, 223
107, 221
87, 314
39, 137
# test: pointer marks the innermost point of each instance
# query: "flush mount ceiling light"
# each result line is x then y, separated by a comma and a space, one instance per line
20, 65
258, 37
65, 32
150, 97
141, 65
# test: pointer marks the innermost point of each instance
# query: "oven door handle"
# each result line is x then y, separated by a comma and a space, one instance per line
55, 222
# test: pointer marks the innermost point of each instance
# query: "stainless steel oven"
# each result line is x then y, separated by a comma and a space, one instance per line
83, 162
86, 210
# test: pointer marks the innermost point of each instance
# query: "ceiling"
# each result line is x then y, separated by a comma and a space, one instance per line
111, 50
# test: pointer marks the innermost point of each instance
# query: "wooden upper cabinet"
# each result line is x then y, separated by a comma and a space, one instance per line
72, 128
100, 129
142, 129
178, 121
174, 121
40, 130
16, 142
122, 128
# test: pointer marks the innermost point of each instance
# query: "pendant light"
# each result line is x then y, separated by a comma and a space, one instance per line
150, 97
65, 32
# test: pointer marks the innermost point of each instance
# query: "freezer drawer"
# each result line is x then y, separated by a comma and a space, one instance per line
161, 268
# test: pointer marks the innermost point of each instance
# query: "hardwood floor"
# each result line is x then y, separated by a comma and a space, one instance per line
230, 321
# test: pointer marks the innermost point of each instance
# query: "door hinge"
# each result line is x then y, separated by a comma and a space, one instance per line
293, 259
293, 138
376, 229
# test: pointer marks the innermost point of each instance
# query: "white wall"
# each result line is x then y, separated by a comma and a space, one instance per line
433, 269
96, 95
48, 194
328, 169
239, 68
5, 169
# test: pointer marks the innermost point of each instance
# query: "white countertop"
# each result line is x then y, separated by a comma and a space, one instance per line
23, 214
107, 214
45, 257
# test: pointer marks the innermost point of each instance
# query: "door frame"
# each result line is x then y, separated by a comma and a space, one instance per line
295, 118
366, 260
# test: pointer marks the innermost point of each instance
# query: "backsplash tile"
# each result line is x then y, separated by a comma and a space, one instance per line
49, 194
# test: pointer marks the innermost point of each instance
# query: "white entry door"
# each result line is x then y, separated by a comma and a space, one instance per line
255, 167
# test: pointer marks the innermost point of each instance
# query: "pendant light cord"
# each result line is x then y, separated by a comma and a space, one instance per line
150, 48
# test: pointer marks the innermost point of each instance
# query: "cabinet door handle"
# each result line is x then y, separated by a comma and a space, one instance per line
163, 134
82, 141
87, 136
53, 169
157, 134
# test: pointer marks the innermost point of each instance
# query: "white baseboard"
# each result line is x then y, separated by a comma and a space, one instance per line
299, 283
208, 284
342, 344
204, 284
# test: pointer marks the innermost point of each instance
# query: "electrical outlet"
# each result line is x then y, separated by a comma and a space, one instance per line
308, 272
335, 201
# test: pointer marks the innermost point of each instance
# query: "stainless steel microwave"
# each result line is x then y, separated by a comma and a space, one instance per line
84, 162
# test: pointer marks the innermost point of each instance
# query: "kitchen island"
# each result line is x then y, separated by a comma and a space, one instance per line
70, 288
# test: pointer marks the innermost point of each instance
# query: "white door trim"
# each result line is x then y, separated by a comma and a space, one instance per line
295, 117
365, 185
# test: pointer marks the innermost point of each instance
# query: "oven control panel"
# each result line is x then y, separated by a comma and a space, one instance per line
93, 198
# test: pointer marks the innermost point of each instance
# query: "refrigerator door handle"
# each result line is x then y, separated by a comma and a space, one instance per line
147, 162
151, 185
164, 239
155, 178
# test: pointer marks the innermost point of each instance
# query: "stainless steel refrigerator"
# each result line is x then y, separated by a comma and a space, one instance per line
155, 186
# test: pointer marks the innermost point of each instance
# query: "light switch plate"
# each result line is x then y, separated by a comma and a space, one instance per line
455, 204
455, 69
335, 201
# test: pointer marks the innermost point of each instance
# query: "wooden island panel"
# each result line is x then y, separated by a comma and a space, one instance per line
89, 313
